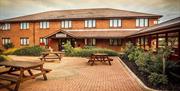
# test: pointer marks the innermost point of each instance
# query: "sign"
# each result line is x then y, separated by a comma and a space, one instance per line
61, 35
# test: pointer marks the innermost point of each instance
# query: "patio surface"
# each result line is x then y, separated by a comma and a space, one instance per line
74, 74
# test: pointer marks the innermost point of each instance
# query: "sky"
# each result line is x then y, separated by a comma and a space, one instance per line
13, 8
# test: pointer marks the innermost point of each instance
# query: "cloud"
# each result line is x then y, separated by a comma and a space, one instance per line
13, 8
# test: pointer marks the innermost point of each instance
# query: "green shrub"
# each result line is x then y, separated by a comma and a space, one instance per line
68, 49
135, 54
29, 51
89, 47
87, 51
9, 51
157, 79
82, 52
4, 58
8, 45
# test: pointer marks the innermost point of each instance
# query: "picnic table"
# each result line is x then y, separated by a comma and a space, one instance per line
58, 55
16, 73
102, 57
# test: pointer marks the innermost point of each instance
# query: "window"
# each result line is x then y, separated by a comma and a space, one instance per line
115, 23
5, 26
44, 41
90, 23
141, 22
44, 24
115, 42
66, 24
90, 42
138, 42
24, 41
161, 40
156, 22
24, 25
6, 41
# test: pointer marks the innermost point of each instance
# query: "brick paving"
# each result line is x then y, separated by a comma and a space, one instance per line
74, 74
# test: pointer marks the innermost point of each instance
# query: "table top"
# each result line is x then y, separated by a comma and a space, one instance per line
20, 64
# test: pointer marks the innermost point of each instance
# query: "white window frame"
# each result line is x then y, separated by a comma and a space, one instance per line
115, 23
6, 26
24, 25
142, 22
90, 23
66, 24
6, 41
44, 24
24, 41
43, 40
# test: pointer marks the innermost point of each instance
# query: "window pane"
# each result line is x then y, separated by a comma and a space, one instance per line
44, 24
119, 23
94, 23
65, 24
115, 23
86, 23
146, 22
70, 25
62, 24
115, 42
141, 22
40, 24
85, 40
21, 40
137, 22
47, 24
90, 23
111, 23
27, 41
27, 25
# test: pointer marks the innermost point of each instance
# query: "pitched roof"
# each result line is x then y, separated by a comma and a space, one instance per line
97, 33
80, 14
162, 27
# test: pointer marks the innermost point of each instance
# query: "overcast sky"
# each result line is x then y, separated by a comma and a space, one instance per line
13, 8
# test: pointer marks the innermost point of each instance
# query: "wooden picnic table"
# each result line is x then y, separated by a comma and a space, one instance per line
17, 77
102, 57
58, 55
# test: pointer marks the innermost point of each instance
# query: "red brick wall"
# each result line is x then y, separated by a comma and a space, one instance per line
15, 32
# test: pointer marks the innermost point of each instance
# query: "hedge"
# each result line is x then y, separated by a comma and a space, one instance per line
29, 51
87, 51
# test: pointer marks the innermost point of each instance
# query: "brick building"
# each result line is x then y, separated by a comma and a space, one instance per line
101, 27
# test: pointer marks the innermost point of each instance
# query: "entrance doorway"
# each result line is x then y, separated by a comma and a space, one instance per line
62, 42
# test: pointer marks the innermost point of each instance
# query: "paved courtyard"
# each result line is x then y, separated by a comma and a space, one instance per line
74, 74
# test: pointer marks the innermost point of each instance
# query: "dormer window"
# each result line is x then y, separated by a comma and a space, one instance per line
5, 26
115, 23
24, 25
90, 23
44, 24
66, 24
141, 22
